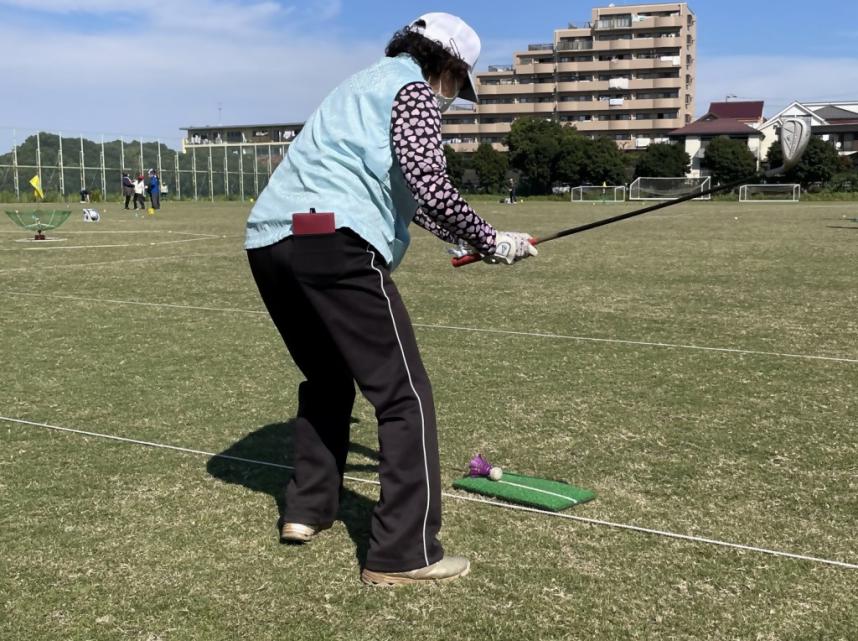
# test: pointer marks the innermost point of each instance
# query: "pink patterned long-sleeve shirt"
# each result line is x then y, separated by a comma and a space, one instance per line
415, 129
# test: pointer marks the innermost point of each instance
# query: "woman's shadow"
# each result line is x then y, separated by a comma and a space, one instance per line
262, 461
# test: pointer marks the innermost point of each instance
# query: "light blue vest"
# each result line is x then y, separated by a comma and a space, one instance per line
343, 161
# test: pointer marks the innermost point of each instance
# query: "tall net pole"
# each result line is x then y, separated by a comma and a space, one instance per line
241, 172
82, 166
178, 179
160, 167
226, 171
39, 157
62, 166
122, 153
16, 179
211, 176
194, 171
103, 173
256, 172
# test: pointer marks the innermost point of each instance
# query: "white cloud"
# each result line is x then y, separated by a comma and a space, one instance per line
262, 61
62, 6
328, 9
779, 80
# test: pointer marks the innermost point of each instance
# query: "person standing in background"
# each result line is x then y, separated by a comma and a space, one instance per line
140, 192
127, 189
154, 188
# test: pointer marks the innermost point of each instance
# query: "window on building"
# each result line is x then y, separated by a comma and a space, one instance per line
653, 75
574, 77
657, 95
574, 44
614, 22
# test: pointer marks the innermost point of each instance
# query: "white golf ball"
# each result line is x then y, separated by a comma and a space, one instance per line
735, 218
496, 474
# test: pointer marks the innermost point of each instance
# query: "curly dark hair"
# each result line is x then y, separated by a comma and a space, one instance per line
430, 55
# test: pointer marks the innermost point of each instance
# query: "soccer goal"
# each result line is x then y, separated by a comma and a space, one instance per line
599, 193
788, 193
668, 188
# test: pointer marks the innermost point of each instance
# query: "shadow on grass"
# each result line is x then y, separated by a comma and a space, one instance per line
841, 227
260, 461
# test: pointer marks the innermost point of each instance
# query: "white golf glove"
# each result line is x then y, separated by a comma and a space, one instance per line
511, 246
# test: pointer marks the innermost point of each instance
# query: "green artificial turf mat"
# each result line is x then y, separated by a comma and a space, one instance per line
527, 490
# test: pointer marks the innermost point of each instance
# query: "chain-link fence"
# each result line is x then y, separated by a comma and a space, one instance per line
69, 167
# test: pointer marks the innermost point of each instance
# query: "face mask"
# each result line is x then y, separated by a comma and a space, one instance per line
443, 102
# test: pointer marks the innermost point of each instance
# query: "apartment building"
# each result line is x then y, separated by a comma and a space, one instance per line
628, 74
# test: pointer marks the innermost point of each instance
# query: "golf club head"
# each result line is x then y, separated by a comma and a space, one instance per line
795, 135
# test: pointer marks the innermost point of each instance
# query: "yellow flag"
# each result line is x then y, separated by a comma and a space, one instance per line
37, 187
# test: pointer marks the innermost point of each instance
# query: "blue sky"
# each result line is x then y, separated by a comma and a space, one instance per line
104, 67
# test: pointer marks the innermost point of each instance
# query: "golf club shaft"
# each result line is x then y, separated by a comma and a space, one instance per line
473, 258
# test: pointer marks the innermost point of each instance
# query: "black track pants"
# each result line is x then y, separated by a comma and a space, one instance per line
343, 321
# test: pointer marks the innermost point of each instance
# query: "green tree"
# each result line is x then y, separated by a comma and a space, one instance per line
605, 162
455, 166
728, 160
491, 167
593, 161
819, 163
571, 166
534, 147
663, 160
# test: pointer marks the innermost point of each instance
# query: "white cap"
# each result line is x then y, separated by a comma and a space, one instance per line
457, 37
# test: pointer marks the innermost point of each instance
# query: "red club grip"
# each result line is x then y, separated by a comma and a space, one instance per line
466, 260
475, 258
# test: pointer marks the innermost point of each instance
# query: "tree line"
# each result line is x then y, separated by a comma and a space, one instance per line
542, 154
545, 154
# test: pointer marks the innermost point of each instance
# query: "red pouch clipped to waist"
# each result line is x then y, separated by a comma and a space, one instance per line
313, 223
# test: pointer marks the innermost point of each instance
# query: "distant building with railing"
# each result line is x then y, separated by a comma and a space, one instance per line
629, 74
276, 135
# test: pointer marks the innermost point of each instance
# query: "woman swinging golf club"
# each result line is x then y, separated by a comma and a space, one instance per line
369, 161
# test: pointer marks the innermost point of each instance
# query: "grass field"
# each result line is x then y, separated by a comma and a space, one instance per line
696, 367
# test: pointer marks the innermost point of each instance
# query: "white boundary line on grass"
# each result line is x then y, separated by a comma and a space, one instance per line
197, 236
590, 339
106, 262
458, 497
140, 303
88, 232
162, 242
